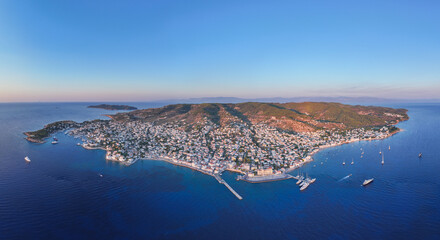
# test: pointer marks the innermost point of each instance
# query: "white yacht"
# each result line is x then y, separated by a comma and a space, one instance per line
300, 179
304, 186
367, 181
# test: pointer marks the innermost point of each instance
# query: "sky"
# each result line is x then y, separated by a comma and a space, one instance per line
151, 50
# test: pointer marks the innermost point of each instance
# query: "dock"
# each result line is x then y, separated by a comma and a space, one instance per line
220, 180
268, 178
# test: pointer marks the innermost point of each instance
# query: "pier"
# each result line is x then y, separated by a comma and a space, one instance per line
268, 178
220, 180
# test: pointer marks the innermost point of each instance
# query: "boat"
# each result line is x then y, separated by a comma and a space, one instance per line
304, 186
352, 161
312, 180
55, 139
389, 147
367, 181
380, 152
382, 160
300, 179
27, 159
343, 163
420, 155
54, 142
101, 175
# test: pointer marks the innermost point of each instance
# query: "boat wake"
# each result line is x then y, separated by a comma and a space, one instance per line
342, 179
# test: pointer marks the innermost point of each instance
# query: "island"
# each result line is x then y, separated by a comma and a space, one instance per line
260, 141
113, 107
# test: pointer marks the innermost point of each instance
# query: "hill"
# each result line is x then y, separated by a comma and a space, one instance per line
298, 117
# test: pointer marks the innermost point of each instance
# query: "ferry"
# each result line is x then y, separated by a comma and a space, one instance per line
27, 159
367, 181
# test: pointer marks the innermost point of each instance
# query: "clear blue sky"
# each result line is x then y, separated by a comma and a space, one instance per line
146, 50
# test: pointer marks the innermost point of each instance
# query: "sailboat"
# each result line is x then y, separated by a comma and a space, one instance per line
382, 160
27, 159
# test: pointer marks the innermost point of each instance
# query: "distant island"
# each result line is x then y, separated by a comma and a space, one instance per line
261, 141
113, 107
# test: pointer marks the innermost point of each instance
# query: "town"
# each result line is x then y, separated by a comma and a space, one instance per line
259, 152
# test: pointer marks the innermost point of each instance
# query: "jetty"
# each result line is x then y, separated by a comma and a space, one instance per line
220, 180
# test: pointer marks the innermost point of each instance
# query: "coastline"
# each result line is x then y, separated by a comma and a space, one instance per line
254, 179
269, 178
34, 140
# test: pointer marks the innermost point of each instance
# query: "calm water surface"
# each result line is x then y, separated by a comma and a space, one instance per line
60, 194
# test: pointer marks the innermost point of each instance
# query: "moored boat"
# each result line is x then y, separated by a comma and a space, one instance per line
304, 186
27, 159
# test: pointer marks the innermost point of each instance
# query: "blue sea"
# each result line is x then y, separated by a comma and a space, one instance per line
60, 195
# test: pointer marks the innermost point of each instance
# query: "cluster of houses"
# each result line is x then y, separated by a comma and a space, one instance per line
254, 150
